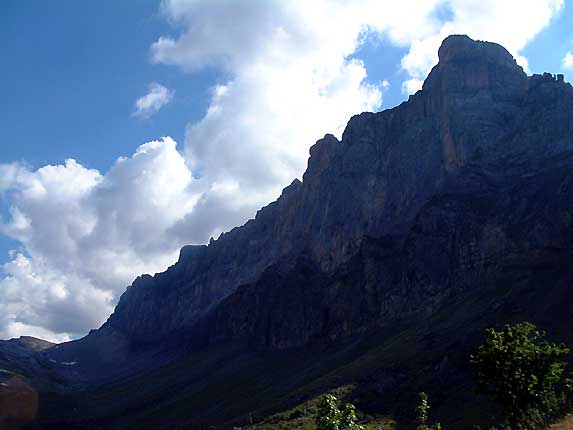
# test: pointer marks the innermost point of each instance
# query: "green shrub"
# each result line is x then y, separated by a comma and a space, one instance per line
423, 414
524, 373
331, 417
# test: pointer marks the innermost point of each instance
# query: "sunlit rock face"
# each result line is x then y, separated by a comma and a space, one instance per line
415, 204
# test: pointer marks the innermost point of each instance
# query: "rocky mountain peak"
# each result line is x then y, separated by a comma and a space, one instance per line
457, 48
470, 66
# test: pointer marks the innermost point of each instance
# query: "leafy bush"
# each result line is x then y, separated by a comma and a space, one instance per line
331, 417
524, 373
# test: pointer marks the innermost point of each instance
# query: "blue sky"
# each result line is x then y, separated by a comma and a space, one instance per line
73, 74
242, 112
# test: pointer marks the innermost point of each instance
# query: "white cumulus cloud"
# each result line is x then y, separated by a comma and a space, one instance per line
288, 76
567, 62
149, 104
86, 235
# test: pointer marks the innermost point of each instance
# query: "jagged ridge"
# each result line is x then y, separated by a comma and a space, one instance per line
478, 121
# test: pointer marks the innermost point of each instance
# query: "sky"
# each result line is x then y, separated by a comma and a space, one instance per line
129, 129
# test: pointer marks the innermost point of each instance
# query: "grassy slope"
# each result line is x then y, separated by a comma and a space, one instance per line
302, 416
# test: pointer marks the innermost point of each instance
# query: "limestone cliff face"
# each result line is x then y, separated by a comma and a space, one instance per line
441, 194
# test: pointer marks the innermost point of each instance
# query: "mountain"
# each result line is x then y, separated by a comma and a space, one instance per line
17, 354
375, 275
19, 399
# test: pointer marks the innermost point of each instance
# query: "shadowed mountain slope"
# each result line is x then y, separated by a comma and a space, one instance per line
423, 225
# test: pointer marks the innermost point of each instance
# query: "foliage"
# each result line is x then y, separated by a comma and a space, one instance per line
524, 373
423, 414
330, 417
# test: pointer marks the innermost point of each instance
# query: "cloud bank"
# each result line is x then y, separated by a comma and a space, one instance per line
288, 76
